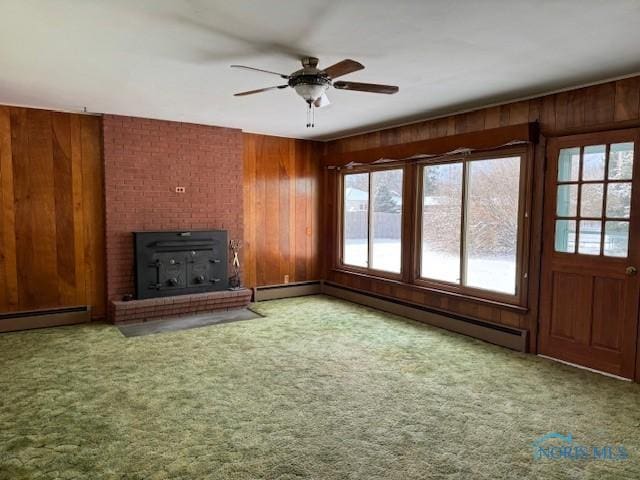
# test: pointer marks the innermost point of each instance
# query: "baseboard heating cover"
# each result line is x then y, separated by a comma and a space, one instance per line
286, 290
14, 321
509, 337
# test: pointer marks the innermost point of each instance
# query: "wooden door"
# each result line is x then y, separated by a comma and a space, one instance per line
590, 286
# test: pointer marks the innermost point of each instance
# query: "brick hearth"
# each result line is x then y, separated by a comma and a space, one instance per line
147, 309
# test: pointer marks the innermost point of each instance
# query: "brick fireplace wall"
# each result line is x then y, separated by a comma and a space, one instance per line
145, 160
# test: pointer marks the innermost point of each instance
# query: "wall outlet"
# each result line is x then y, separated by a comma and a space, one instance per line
180, 190
286, 279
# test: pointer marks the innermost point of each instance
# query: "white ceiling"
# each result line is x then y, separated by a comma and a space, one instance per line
170, 59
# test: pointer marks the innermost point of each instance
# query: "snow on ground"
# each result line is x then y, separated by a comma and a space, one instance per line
488, 273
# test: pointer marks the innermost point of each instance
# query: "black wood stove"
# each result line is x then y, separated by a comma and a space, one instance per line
176, 263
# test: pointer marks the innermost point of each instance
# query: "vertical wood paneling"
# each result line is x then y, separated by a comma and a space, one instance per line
64, 208
548, 113
250, 188
39, 267
518, 113
576, 107
271, 170
535, 106
281, 203
78, 212
600, 104
93, 198
51, 227
627, 99
9, 300
492, 117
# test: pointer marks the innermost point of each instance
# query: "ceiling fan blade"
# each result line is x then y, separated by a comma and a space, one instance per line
322, 101
366, 87
251, 92
281, 75
342, 68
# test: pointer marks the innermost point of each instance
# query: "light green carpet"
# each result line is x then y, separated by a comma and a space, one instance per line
320, 389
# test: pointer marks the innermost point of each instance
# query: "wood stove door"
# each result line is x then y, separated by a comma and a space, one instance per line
171, 270
201, 269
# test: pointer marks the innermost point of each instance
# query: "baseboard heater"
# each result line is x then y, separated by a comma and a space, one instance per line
293, 289
14, 321
510, 337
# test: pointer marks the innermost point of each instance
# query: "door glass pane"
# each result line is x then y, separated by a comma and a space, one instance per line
589, 239
441, 222
568, 164
492, 223
565, 236
356, 219
616, 239
567, 200
591, 200
620, 161
386, 220
618, 200
593, 162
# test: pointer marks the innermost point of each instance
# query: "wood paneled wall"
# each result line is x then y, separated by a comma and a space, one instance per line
52, 223
597, 108
600, 107
281, 210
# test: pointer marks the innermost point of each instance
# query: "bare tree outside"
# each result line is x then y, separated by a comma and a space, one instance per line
493, 193
602, 195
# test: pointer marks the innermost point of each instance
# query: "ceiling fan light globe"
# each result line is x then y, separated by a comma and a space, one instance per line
310, 92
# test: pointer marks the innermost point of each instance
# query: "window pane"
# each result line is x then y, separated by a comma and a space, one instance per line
620, 161
616, 239
591, 200
567, 203
565, 236
619, 200
589, 239
356, 219
568, 164
441, 222
386, 220
492, 223
593, 162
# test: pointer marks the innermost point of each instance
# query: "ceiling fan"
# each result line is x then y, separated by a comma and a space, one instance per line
312, 83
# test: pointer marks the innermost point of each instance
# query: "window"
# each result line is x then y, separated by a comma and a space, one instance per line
372, 220
356, 220
470, 223
594, 191
468, 230
441, 221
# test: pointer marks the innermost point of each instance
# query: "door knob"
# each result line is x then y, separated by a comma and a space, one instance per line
631, 271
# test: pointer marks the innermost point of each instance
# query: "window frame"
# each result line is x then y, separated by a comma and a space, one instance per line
411, 233
340, 230
522, 258
603, 218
